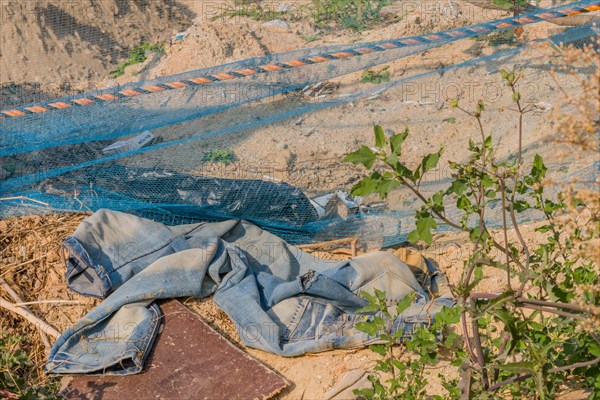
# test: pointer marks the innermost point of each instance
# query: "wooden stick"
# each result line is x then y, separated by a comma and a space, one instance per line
8, 395
24, 198
11, 267
27, 303
328, 244
17, 298
30, 317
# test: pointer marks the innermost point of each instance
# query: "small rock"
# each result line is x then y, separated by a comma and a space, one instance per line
389, 132
299, 121
390, 12
283, 160
282, 146
310, 131
285, 7
542, 107
277, 24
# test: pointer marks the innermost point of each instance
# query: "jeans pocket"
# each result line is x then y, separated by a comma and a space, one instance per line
319, 321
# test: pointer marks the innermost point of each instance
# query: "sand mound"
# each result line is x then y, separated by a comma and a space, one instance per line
75, 45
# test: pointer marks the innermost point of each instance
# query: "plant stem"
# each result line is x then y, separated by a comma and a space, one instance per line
504, 229
516, 178
450, 223
41, 325
479, 350
551, 370
467, 338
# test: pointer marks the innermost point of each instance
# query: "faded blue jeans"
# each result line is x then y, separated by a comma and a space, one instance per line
281, 299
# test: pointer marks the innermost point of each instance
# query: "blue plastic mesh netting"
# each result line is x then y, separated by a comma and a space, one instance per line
60, 159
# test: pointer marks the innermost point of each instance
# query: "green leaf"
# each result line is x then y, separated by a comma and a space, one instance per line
365, 186
368, 309
368, 296
413, 236
457, 187
431, 160
463, 203
403, 304
520, 366
448, 316
386, 186
364, 156
509, 321
538, 170
438, 202
367, 327
521, 205
403, 171
477, 234
594, 349
367, 393
375, 183
392, 159
486, 180
423, 231
379, 137
379, 349
478, 273
397, 140
488, 141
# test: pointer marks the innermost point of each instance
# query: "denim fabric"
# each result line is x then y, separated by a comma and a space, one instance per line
281, 299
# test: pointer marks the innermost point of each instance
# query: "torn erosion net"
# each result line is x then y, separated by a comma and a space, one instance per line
58, 154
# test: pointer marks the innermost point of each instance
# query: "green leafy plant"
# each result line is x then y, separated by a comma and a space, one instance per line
507, 37
137, 56
542, 329
224, 156
257, 12
357, 15
310, 38
376, 76
514, 5
15, 365
399, 372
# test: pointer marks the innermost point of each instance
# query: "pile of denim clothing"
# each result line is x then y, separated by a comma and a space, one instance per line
281, 299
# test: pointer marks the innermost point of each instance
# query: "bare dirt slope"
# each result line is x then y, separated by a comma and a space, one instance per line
60, 45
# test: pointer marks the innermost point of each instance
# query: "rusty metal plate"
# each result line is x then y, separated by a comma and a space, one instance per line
189, 361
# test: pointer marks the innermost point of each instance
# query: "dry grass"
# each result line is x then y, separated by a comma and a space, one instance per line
31, 265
